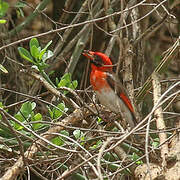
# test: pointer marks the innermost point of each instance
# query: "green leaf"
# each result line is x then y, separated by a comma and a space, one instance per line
79, 176
42, 53
95, 146
3, 69
67, 77
34, 47
60, 140
113, 167
65, 80
24, 53
64, 132
110, 157
17, 126
99, 120
59, 111
20, 12
42, 65
48, 44
155, 143
44, 50
57, 141
1, 105
20, 118
57, 81
62, 83
50, 112
33, 105
2, 21
34, 52
77, 134
26, 109
37, 117
39, 48
73, 85
20, 4
3, 8
134, 157
33, 42
47, 55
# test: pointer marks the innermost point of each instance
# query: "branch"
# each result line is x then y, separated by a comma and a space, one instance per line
69, 26
72, 119
170, 55
51, 89
159, 118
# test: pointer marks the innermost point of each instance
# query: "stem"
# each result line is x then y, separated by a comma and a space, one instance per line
46, 77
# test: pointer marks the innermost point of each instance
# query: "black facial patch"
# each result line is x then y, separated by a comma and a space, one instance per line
97, 61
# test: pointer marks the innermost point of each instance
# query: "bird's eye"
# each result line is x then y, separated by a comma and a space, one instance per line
97, 61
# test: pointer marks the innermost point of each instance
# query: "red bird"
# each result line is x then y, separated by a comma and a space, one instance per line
108, 88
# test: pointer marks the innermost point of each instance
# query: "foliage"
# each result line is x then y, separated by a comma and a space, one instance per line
37, 55
66, 81
3, 69
57, 111
3, 8
19, 8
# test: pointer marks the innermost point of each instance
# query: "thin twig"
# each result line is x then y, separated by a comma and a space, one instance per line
74, 118
101, 151
140, 18
169, 56
53, 90
70, 26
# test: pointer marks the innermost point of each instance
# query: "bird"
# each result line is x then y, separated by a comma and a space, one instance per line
108, 88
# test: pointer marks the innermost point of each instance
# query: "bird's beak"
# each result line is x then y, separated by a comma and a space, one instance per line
89, 54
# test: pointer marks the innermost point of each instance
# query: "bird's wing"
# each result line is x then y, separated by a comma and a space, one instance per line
119, 89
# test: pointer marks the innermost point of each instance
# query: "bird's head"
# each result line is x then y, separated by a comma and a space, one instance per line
98, 60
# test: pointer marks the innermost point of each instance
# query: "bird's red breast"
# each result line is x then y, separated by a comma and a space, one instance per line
107, 86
